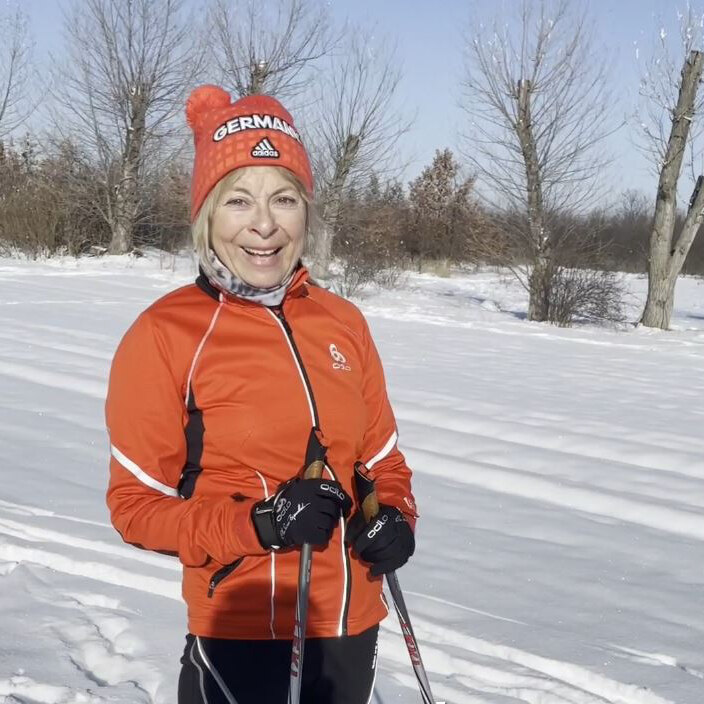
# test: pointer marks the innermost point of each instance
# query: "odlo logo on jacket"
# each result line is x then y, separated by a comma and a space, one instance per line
339, 359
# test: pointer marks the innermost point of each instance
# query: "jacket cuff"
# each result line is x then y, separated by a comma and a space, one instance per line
263, 520
406, 505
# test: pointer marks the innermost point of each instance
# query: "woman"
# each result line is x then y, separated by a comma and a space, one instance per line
216, 392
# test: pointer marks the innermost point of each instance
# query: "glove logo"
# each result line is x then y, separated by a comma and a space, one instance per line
339, 359
301, 507
291, 517
333, 490
282, 507
380, 523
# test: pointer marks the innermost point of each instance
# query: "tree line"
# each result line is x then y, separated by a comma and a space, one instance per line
109, 173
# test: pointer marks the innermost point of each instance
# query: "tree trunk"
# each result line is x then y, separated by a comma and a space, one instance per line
259, 73
321, 254
322, 246
540, 289
540, 282
661, 298
665, 267
664, 261
126, 200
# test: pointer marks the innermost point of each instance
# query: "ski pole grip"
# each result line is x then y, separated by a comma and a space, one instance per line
315, 456
314, 470
366, 494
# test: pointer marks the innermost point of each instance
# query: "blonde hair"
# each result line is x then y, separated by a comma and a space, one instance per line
200, 229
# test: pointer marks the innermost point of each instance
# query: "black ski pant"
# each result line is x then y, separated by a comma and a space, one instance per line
335, 670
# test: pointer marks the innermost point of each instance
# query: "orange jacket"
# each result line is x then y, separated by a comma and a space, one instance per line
210, 404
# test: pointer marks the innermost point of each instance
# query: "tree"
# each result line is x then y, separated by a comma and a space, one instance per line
41, 209
355, 130
269, 47
373, 223
15, 68
672, 99
536, 97
130, 65
443, 212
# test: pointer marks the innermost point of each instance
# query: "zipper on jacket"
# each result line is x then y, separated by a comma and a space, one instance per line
348, 570
279, 313
221, 574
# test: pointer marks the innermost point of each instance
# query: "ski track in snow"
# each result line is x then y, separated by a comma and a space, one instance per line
56, 380
23, 510
21, 689
606, 466
98, 638
518, 435
537, 488
490, 668
40, 535
102, 646
511, 457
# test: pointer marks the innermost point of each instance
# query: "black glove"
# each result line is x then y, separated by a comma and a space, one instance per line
301, 511
386, 541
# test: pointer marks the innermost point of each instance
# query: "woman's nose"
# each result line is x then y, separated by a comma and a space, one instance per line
263, 222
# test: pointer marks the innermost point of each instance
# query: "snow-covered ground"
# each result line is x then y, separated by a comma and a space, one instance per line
559, 475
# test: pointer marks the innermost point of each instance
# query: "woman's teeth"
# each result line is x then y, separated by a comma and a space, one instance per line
261, 252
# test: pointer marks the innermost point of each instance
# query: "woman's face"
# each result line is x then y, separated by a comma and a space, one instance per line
258, 227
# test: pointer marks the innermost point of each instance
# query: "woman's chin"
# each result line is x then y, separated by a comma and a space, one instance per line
258, 278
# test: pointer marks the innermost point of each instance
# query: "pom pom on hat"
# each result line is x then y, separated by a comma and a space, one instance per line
203, 100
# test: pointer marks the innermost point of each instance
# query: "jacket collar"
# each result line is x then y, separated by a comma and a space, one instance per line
296, 288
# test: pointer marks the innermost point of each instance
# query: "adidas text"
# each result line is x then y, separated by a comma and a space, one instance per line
265, 149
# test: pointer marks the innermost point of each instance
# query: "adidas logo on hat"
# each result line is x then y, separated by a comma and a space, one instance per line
264, 148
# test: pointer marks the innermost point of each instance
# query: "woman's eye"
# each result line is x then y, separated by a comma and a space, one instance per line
237, 202
286, 200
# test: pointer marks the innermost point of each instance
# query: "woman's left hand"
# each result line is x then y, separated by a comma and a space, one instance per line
386, 541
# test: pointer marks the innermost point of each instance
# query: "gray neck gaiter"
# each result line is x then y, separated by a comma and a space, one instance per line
222, 278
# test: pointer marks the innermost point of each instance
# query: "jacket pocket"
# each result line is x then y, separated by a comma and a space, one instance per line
221, 574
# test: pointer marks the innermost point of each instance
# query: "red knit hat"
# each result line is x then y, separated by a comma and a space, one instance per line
253, 131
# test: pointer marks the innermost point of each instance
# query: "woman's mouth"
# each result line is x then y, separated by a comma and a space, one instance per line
262, 253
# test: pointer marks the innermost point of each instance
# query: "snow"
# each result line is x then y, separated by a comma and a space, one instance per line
559, 476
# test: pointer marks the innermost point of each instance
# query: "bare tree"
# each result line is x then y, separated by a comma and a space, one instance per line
15, 69
269, 47
535, 96
130, 65
355, 130
672, 100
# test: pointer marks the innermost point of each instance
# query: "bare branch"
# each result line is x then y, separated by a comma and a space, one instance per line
269, 47
356, 127
15, 68
661, 78
121, 94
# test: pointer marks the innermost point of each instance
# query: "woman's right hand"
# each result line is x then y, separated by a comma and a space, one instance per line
301, 511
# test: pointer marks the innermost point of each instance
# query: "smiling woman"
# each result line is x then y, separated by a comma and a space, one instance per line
254, 221
221, 394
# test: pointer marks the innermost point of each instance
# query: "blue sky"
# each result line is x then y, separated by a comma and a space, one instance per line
429, 34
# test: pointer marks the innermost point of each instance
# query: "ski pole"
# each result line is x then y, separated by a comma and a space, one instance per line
366, 495
315, 460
